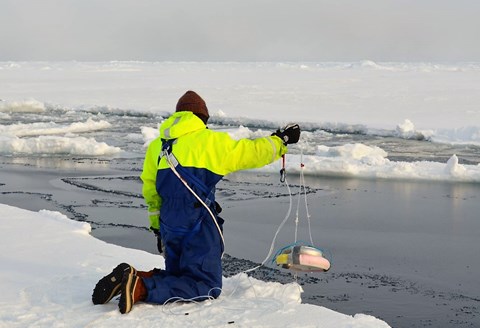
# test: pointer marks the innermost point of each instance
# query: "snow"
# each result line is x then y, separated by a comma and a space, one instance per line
26, 106
379, 95
406, 130
358, 160
366, 162
50, 265
56, 145
46, 141
437, 102
21, 130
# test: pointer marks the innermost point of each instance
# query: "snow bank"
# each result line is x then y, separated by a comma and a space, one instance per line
357, 160
13, 139
347, 161
50, 265
25, 106
51, 128
55, 145
406, 130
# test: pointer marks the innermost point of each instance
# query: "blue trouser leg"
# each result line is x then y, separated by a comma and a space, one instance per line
193, 267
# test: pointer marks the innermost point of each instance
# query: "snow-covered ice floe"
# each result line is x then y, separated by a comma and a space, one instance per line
51, 263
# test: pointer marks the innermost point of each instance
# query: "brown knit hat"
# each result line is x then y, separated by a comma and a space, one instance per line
192, 102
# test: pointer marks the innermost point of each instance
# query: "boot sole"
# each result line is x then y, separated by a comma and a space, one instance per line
126, 299
109, 286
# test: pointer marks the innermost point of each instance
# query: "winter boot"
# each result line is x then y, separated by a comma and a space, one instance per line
109, 286
133, 290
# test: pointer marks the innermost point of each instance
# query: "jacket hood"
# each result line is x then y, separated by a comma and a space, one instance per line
179, 124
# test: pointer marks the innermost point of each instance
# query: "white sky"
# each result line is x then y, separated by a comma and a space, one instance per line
240, 30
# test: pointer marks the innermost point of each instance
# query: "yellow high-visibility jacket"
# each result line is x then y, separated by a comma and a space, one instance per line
209, 155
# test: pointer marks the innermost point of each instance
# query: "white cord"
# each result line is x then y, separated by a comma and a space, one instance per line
169, 161
303, 185
296, 216
272, 245
194, 300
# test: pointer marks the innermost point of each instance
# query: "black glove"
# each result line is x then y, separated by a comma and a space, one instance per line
160, 247
218, 208
289, 134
